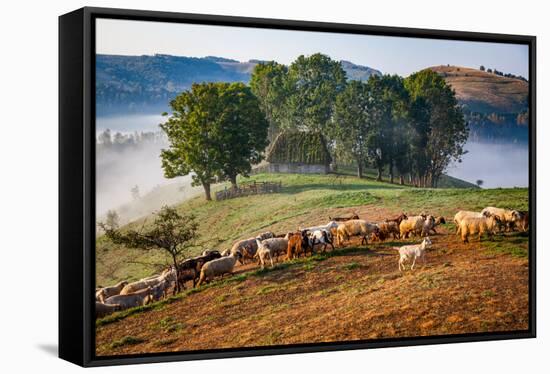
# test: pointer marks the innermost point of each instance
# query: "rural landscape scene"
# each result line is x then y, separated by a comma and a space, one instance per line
261, 188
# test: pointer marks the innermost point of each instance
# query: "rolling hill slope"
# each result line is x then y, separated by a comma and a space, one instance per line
484, 92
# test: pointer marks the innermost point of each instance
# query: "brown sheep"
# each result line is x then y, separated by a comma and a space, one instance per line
475, 225
411, 225
342, 219
294, 248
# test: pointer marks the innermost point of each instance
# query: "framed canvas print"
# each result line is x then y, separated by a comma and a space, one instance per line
237, 186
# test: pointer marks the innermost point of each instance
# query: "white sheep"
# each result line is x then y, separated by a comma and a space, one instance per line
413, 251
219, 266
321, 237
355, 227
411, 225
104, 293
328, 227
263, 254
139, 298
102, 310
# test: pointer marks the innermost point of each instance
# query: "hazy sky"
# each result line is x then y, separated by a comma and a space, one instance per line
391, 55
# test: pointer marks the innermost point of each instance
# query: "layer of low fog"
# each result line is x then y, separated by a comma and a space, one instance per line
125, 160
496, 164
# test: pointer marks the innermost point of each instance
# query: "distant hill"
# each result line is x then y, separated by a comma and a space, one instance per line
147, 83
495, 106
484, 92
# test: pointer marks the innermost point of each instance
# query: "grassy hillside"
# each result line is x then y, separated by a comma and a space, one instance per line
485, 92
305, 200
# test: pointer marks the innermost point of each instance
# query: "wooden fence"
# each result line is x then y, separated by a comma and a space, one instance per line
247, 189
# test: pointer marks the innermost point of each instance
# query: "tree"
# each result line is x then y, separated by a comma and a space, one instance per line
313, 84
267, 82
216, 130
243, 132
135, 192
112, 219
352, 123
389, 110
479, 182
171, 232
482, 68
439, 122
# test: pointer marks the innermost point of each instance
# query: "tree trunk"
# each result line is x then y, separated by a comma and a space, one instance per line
177, 287
379, 175
391, 171
359, 169
401, 179
233, 179
206, 187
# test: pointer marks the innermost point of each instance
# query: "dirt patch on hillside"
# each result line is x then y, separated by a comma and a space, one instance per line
359, 294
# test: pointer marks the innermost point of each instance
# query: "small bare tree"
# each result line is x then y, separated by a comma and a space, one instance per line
171, 232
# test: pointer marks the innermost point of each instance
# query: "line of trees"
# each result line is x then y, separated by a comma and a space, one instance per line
413, 126
216, 131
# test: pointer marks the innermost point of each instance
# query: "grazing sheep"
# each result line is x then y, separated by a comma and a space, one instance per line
219, 266
507, 217
321, 237
414, 251
355, 227
328, 227
266, 235
226, 252
397, 219
246, 247
263, 254
159, 291
208, 251
475, 225
277, 246
428, 225
102, 310
294, 247
523, 223
152, 281
411, 225
104, 293
387, 228
139, 298
342, 219
463, 214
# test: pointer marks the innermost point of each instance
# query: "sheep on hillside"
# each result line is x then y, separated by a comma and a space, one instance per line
139, 298
102, 310
104, 293
475, 225
414, 251
411, 225
463, 214
355, 227
507, 217
220, 266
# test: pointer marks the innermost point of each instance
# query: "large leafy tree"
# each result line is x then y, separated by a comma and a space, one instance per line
313, 83
389, 103
439, 124
171, 232
268, 83
352, 127
216, 131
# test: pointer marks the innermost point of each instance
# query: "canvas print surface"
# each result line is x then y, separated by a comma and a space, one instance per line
260, 187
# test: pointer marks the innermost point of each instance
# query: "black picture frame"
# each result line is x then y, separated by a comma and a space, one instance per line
77, 181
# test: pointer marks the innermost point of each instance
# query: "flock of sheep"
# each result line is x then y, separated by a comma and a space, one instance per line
267, 246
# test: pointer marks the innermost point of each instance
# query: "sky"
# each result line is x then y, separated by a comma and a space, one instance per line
390, 55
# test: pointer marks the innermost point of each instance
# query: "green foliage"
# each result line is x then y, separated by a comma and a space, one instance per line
438, 125
299, 147
216, 131
267, 82
313, 84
